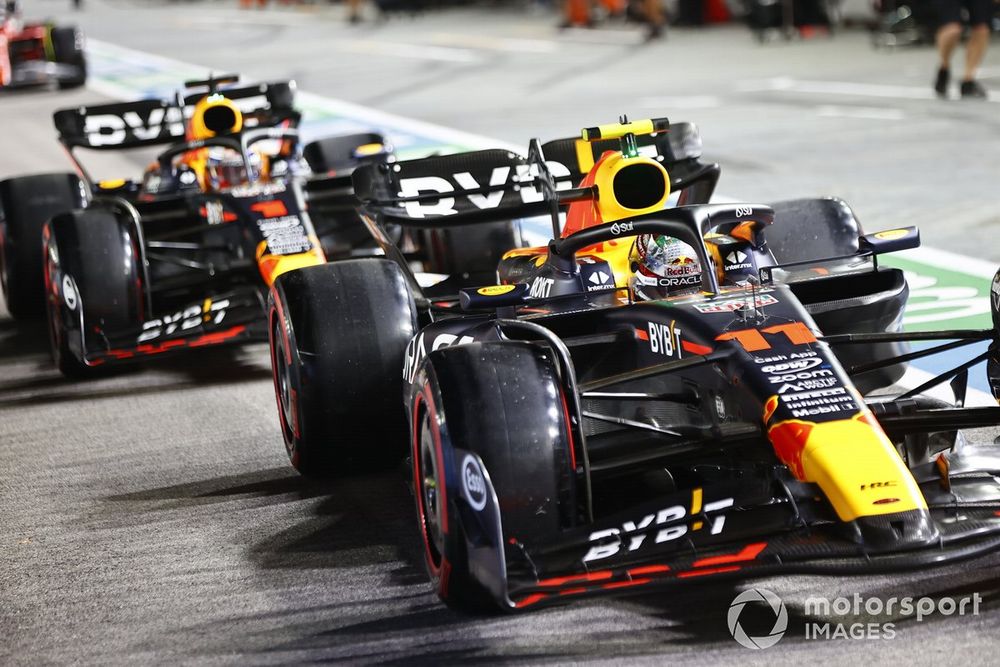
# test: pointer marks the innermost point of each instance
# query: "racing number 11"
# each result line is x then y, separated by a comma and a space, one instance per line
752, 340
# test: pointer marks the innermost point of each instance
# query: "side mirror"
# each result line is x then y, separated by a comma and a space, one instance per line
492, 297
891, 240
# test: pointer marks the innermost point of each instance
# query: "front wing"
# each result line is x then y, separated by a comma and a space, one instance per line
219, 319
40, 72
787, 531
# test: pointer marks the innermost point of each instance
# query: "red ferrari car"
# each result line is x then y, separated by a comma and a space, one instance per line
39, 53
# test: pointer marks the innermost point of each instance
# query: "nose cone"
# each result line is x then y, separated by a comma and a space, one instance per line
896, 532
853, 462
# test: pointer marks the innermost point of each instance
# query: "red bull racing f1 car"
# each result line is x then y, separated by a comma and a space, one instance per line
182, 258
594, 424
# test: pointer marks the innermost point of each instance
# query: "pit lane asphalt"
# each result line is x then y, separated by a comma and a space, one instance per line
152, 517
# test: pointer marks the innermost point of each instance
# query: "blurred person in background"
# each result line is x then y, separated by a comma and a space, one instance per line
653, 11
949, 34
263, 3
354, 11
577, 13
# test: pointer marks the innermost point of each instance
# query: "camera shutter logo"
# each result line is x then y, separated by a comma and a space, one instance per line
772, 601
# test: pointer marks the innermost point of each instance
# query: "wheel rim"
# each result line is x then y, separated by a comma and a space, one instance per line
282, 384
3, 270
284, 391
53, 308
430, 482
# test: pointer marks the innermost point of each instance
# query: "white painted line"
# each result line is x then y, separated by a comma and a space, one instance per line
786, 84
914, 377
408, 51
680, 102
508, 44
610, 37
951, 261
866, 113
143, 57
109, 89
437, 132
212, 21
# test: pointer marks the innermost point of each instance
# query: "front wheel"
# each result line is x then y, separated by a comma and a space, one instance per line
489, 418
338, 336
817, 228
93, 286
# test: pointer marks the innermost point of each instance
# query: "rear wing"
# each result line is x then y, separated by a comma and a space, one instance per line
459, 189
495, 184
153, 122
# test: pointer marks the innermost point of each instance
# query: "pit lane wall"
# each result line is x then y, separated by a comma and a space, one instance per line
947, 290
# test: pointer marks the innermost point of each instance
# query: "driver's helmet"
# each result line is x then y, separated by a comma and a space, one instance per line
662, 266
225, 169
217, 167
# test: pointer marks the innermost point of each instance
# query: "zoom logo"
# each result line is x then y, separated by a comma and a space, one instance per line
771, 606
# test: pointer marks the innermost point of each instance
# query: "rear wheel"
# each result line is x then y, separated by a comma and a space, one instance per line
338, 338
496, 412
815, 229
67, 43
807, 229
26, 203
342, 153
93, 284
470, 254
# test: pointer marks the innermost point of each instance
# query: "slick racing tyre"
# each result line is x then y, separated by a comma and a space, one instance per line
93, 284
807, 229
488, 416
331, 155
470, 253
338, 337
67, 43
26, 203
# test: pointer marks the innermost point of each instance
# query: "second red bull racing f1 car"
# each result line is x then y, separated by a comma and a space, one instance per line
616, 414
183, 257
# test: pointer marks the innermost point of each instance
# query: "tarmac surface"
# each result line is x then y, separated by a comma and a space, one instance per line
151, 516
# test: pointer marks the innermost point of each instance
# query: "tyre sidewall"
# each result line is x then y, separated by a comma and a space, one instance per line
501, 428
93, 284
348, 324
67, 42
285, 360
26, 204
